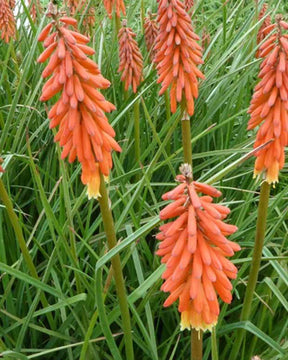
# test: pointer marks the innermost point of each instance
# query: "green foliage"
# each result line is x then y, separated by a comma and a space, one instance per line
64, 231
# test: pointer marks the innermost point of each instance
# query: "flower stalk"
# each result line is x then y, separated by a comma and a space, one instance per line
186, 138
255, 266
196, 336
180, 75
214, 348
109, 228
196, 344
137, 133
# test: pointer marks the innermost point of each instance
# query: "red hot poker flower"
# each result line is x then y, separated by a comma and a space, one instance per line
195, 250
117, 5
189, 4
177, 55
131, 61
269, 104
7, 21
35, 8
263, 32
84, 131
72, 6
89, 18
151, 32
80, 6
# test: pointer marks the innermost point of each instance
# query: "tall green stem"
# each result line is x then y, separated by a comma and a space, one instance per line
117, 269
117, 24
167, 105
22, 244
137, 133
214, 347
196, 336
168, 116
255, 266
186, 139
196, 345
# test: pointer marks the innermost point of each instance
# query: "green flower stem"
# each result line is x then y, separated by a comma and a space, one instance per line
168, 116
167, 105
196, 336
196, 344
186, 138
117, 269
214, 344
255, 266
117, 24
137, 133
22, 244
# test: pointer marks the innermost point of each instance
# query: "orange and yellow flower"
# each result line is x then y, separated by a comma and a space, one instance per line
7, 20
150, 32
194, 248
268, 106
84, 131
177, 55
115, 5
131, 60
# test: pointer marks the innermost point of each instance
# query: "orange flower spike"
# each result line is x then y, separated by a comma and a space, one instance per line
265, 28
90, 18
7, 20
35, 8
150, 32
177, 55
268, 105
188, 4
195, 250
72, 6
115, 5
82, 7
131, 61
84, 131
